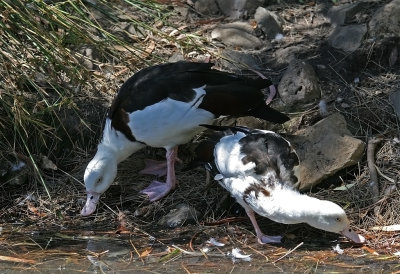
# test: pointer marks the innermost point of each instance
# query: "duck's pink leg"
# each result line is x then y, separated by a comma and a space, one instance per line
272, 93
262, 238
157, 190
272, 89
153, 167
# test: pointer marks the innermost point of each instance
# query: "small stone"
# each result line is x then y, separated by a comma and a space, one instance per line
287, 55
234, 9
347, 38
176, 56
299, 84
206, 7
324, 149
345, 105
47, 163
14, 171
237, 34
236, 60
181, 214
269, 22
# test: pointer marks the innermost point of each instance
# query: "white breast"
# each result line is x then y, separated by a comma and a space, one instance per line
170, 122
228, 158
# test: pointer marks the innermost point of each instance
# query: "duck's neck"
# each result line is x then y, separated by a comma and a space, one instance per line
115, 142
290, 207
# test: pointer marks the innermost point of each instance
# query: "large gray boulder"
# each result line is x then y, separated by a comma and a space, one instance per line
386, 20
324, 149
348, 38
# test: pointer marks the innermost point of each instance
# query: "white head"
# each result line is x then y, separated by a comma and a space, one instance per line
99, 175
331, 217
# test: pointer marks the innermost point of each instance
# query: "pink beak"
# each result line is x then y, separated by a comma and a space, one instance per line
91, 203
349, 233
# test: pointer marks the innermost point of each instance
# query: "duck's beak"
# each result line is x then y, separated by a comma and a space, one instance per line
349, 233
91, 203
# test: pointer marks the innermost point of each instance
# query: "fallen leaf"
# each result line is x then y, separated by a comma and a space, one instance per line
149, 49
146, 252
35, 210
370, 250
122, 227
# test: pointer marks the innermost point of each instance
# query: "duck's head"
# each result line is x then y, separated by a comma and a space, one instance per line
331, 217
99, 175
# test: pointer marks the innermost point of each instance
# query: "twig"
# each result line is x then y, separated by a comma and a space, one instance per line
16, 260
372, 142
197, 254
287, 253
191, 240
185, 268
224, 221
134, 247
384, 176
255, 250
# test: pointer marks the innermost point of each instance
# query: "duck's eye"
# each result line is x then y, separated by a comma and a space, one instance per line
338, 219
91, 197
98, 181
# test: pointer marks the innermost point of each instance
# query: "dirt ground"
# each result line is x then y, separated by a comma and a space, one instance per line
122, 210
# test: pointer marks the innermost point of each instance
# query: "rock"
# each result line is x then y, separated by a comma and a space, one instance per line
288, 54
252, 5
235, 60
237, 34
137, 31
176, 56
344, 14
207, 7
13, 171
269, 22
347, 38
233, 8
386, 20
394, 99
324, 149
299, 84
47, 163
179, 215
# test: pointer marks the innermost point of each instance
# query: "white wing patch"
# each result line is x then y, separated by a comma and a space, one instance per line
170, 122
228, 157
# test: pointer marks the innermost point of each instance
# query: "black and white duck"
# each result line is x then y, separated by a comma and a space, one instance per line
258, 168
162, 106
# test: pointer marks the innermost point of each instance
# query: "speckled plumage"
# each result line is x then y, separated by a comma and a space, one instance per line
258, 168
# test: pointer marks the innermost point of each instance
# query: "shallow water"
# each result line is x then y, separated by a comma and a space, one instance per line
105, 252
